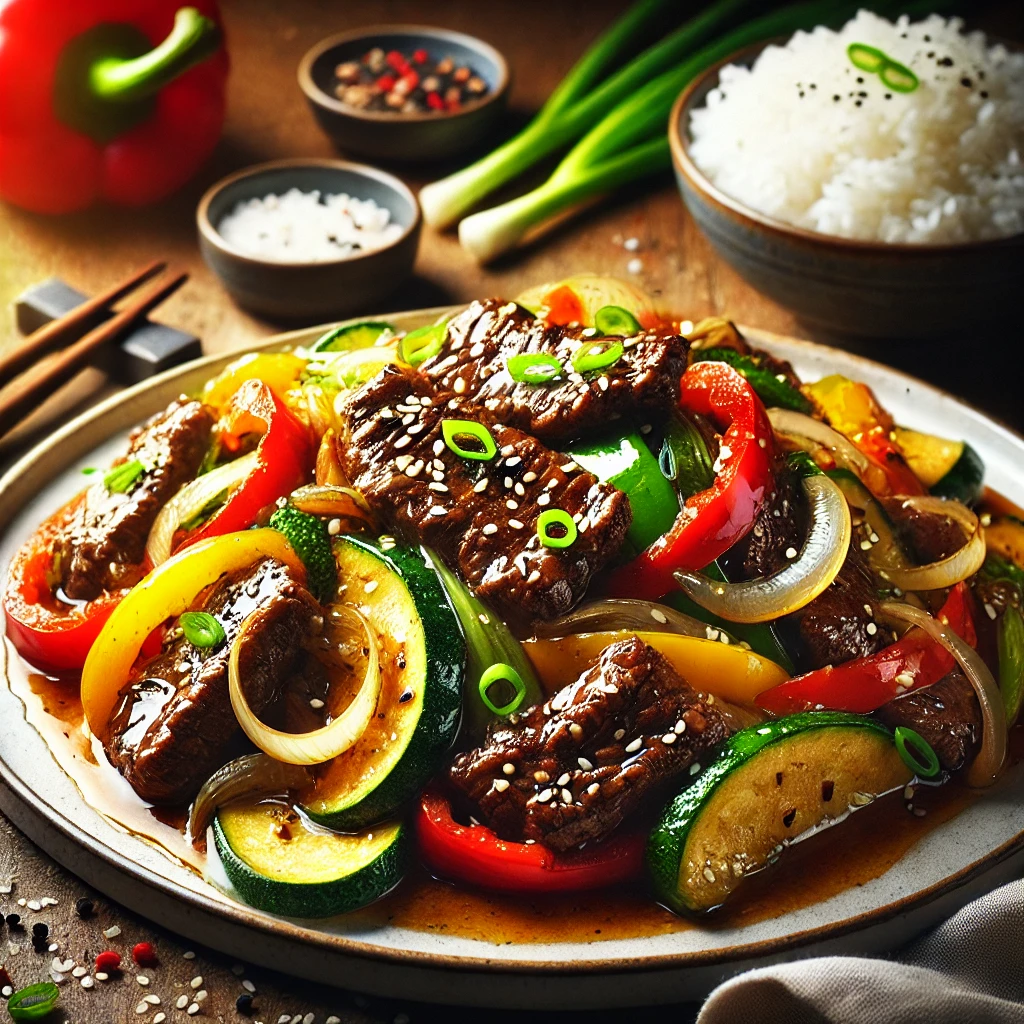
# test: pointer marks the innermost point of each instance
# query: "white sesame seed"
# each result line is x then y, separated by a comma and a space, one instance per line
584, 764
635, 265
603, 382
160, 1018
193, 1009
619, 733
990, 611
865, 545
568, 467
409, 417
791, 552
480, 486
79, 972
658, 615
872, 629
413, 470
333, 1020
508, 768
529, 477
87, 982
501, 785
438, 488
201, 995
511, 505
489, 529
576, 731
541, 777
562, 779
709, 874
182, 1002
437, 510
112, 932
566, 796
316, 703
534, 576
459, 386
416, 428
370, 586
515, 524
545, 795
404, 441
143, 980
679, 728
634, 745
669, 738
513, 462
197, 982
694, 768
151, 999
438, 446
402, 461
544, 499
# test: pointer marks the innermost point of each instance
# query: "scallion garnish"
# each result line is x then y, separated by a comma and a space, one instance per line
555, 517
616, 320
452, 429
422, 344
34, 1002
201, 629
916, 753
598, 354
120, 479
497, 674
893, 74
89, 470
533, 367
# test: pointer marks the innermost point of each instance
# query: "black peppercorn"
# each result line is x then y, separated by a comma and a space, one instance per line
84, 907
243, 1004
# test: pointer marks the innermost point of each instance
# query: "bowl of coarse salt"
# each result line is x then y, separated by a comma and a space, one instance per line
309, 240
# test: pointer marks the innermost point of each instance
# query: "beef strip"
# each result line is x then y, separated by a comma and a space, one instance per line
586, 758
924, 536
643, 385
480, 516
104, 544
174, 722
946, 714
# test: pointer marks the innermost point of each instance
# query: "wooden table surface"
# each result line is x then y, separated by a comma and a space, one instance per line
268, 119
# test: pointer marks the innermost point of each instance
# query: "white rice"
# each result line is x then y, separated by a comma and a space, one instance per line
302, 227
808, 138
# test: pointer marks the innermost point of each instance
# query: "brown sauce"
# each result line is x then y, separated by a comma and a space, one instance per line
866, 845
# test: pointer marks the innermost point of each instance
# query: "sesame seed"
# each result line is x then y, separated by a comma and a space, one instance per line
669, 738
197, 981
151, 999
634, 745
594, 788
193, 1009
402, 462
576, 731
508, 768
438, 446
679, 728
404, 441
513, 462
566, 796
562, 779
545, 795
480, 486
520, 490
872, 629
602, 383
437, 510
568, 467
189, 955
619, 733
791, 552
584, 764
865, 545
529, 477
515, 524
990, 611
544, 499
501, 785
413, 471
437, 488
541, 777
489, 529
511, 505
459, 386
201, 995
87, 982
142, 980
181, 1003
551, 484
534, 576
316, 703
112, 932
160, 1018
658, 615
694, 768
79, 972
709, 874
409, 417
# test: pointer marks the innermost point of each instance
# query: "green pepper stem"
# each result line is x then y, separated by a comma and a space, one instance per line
193, 38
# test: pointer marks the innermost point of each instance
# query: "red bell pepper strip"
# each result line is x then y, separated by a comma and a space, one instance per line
866, 684
711, 521
475, 855
284, 455
108, 100
47, 632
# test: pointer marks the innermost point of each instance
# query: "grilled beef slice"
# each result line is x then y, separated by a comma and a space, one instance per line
642, 385
104, 544
946, 714
585, 759
924, 536
174, 722
480, 516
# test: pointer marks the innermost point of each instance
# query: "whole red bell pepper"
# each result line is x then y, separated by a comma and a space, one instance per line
866, 684
711, 521
284, 458
474, 854
106, 99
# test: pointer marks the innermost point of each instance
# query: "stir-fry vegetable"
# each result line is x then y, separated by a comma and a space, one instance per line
713, 520
772, 390
1011, 662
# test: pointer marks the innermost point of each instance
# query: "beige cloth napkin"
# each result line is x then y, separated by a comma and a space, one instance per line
969, 970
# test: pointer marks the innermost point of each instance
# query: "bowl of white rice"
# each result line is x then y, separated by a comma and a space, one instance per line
870, 179
309, 240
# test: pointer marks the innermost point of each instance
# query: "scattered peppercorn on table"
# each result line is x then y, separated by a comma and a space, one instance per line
113, 966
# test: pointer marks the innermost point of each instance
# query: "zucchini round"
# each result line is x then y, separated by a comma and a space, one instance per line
770, 785
276, 863
365, 334
949, 469
422, 661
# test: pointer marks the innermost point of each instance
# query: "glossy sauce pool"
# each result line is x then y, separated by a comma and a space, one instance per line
865, 847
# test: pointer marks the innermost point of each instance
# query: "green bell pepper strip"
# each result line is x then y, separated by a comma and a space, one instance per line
772, 391
627, 463
1011, 662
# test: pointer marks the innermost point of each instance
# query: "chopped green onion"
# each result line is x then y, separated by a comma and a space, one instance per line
556, 517
120, 479
502, 673
598, 354
867, 58
89, 470
202, 629
616, 320
917, 753
451, 429
34, 1002
898, 77
422, 344
533, 367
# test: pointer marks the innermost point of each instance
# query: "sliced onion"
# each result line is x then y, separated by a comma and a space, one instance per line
948, 571
332, 500
322, 744
986, 766
623, 613
801, 581
191, 500
245, 776
801, 430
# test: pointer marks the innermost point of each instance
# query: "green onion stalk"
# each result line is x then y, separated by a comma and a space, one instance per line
629, 142
576, 105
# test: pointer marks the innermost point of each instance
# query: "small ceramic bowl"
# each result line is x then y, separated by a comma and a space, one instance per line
846, 286
311, 291
403, 137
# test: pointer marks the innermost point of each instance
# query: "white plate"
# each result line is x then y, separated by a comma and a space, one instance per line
973, 852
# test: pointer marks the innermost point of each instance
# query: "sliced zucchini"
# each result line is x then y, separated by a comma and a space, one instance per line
770, 786
422, 660
950, 469
279, 864
1005, 537
352, 336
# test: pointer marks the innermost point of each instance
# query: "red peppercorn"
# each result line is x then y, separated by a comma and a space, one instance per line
419, 56
108, 962
144, 954
386, 83
434, 101
397, 61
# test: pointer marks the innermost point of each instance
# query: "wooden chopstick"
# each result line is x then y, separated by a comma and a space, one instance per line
65, 329
25, 394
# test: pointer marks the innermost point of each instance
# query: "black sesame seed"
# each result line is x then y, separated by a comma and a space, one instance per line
966, 82
243, 1004
930, 54
84, 907
40, 930
945, 62
927, 39
863, 95
837, 97
983, 94
888, 95
859, 103
860, 81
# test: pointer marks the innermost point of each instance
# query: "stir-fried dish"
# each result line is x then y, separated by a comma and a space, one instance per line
552, 594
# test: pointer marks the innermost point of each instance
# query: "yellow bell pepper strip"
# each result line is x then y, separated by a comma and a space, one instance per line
852, 409
164, 594
732, 673
280, 371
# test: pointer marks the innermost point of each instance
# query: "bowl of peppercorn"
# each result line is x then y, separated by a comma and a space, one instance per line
405, 92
